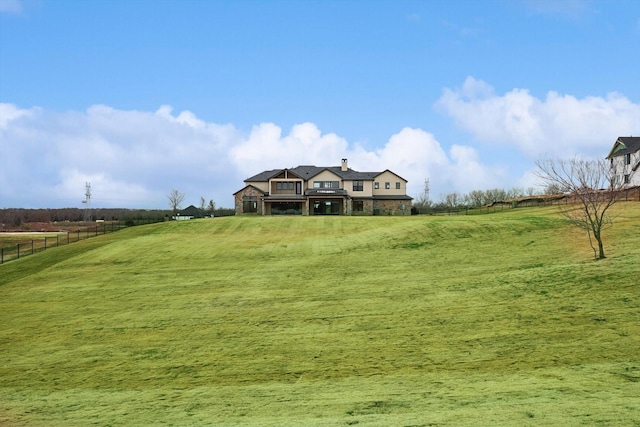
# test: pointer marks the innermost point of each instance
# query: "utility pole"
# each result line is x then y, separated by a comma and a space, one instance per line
87, 202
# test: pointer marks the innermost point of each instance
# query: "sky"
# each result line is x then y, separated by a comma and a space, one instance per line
140, 97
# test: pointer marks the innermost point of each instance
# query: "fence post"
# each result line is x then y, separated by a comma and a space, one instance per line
45, 243
32, 247
18, 250
1, 255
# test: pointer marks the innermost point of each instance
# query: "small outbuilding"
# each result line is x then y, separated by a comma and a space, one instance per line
190, 212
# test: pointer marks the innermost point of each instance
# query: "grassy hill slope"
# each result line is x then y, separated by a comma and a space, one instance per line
500, 319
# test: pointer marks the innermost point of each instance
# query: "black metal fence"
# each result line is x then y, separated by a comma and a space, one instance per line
33, 244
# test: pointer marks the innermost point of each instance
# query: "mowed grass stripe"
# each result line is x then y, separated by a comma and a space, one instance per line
498, 319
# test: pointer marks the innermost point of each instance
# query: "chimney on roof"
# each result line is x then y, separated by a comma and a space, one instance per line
344, 166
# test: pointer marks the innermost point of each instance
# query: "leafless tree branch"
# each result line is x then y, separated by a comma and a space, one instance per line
595, 187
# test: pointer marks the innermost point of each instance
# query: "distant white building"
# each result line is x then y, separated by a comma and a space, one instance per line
625, 159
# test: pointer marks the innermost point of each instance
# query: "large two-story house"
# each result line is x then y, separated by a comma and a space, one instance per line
315, 190
625, 160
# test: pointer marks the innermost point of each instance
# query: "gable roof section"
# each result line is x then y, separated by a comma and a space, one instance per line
625, 145
247, 186
350, 174
307, 172
396, 197
264, 176
393, 173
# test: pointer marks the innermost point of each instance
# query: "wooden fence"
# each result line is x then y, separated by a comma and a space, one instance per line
626, 195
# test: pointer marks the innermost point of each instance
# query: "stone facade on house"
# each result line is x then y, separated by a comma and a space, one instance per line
248, 200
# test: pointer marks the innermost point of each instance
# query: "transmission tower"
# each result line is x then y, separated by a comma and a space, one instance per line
427, 190
87, 202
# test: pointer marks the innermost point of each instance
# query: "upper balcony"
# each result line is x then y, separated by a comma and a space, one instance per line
285, 187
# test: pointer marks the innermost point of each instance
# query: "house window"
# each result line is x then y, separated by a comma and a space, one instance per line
326, 184
284, 186
397, 185
627, 159
286, 208
376, 185
627, 179
358, 185
387, 185
249, 204
358, 206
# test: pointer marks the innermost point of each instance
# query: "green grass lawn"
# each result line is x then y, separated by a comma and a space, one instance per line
501, 319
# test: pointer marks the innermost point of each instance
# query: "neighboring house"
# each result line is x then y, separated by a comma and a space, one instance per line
187, 213
314, 190
625, 159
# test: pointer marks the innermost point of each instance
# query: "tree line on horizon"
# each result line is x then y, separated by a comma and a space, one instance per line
12, 218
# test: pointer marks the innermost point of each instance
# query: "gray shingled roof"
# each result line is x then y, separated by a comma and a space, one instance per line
631, 144
396, 197
189, 211
264, 176
307, 172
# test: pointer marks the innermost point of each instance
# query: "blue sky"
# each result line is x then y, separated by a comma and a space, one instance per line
140, 97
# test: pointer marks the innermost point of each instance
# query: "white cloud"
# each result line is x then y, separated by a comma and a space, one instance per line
558, 125
266, 148
102, 184
414, 154
9, 112
134, 158
468, 173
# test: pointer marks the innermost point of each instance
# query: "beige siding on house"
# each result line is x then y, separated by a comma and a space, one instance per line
367, 189
391, 178
264, 186
324, 176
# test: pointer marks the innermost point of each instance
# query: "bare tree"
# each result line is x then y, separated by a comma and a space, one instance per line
476, 198
211, 208
531, 191
452, 200
593, 184
175, 200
